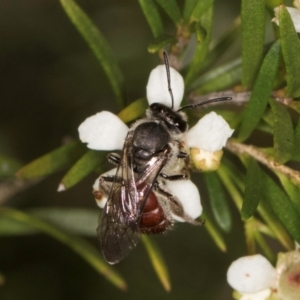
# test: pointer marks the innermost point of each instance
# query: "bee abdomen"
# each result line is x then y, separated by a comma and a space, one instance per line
153, 219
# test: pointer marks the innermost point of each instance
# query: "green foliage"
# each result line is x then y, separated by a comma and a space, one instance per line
267, 197
53, 161
78, 245
290, 51
8, 166
283, 133
98, 45
158, 262
261, 92
218, 201
253, 187
253, 34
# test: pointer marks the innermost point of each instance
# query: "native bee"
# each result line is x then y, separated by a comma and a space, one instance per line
138, 201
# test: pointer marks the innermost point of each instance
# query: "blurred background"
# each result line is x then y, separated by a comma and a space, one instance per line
50, 82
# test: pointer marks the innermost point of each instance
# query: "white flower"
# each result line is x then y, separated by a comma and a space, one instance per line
254, 278
251, 274
188, 195
210, 133
294, 13
206, 139
105, 131
157, 87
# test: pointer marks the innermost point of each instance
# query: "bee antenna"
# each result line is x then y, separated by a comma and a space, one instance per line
168, 76
204, 102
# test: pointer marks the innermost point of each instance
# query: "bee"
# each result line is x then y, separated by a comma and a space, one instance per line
138, 201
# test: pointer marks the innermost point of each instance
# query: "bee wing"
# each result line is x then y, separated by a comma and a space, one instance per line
118, 229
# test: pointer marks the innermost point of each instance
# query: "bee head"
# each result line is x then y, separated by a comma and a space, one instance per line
173, 120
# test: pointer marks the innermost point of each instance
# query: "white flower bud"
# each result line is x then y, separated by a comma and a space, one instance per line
188, 195
294, 13
157, 87
205, 161
251, 274
296, 3
103, 131
210, 133
288, 274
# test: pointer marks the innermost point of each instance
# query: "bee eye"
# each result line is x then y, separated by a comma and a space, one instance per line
182, 126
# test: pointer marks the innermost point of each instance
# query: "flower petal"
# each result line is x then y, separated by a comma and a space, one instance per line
261, 295
296, 3
210, 133
294, 13
100, 198
157, 87
103, 131
188, 195
251, 274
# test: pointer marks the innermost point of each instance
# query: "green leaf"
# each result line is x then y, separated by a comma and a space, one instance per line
275, 225
271, 4
8, 166
295, 105
157, 261
81, 221
230, 183
160, 42
218, 201
221, 44
219, 78
252, 194
54, 161
82, 168
11, 227
253, 29
297, 138
75, 220
283, 133
265, 247
202, 48
189, 6
98, 45
293, 190
199, 30
261, 92
133, 110
290, 49
200, 8
214, 233
172, 9
282, 206
233, 178
152, 16
78, 245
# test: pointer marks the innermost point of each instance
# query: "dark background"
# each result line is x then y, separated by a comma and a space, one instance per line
50, 82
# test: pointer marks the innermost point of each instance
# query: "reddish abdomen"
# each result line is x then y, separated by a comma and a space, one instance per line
153, 219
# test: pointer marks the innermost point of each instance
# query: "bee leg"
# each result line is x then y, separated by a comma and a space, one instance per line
174, 177
101, 189
114, 158
182, 155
